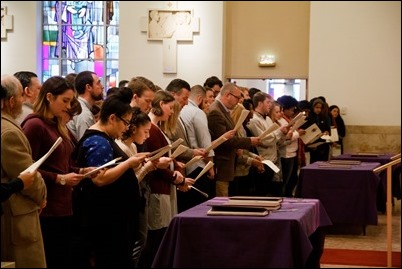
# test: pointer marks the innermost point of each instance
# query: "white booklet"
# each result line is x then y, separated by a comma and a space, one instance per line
313, 132
271, 165
216, 143
241, 119
333, 137
179, 150
112, 162
206, 168
193, 161
39, 162
268, 131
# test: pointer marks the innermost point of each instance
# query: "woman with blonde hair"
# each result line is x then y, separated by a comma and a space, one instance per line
163, 181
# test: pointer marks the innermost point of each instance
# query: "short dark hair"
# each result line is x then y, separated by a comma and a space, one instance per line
83, 78
176, 85
212, 81
25, 77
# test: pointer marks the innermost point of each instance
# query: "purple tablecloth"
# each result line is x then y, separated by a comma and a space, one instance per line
382, 159
280, 239
348, 195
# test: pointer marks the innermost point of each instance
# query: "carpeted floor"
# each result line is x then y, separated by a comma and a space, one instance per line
360, 257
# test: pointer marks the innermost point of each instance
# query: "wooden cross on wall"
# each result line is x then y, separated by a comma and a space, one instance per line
6, 22
169, 26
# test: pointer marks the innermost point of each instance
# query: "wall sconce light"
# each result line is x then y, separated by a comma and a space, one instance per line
267, 60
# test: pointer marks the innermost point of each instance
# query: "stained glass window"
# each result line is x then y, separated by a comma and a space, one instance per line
79, 36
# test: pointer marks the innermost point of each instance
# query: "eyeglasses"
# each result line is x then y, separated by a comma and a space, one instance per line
127, 123
237, 97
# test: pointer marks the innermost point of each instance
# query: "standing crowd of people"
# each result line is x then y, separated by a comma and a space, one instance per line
62, 215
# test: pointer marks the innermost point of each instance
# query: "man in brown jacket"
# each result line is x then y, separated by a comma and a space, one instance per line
21, 236
219, 122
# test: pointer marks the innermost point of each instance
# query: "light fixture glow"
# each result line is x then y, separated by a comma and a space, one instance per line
267, 60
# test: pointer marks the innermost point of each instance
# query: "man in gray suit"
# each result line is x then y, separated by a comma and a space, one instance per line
219, 122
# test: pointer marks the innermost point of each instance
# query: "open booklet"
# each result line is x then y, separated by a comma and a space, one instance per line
333, 137
156, 154
268, 131
108, 164
193, 161
206, 168
271, 165
216, 143
179, 150
313, 132
39, 162
299, 117
241, 119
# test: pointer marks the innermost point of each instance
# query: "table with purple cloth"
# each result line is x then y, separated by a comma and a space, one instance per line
349, 195
382, 159
290, 237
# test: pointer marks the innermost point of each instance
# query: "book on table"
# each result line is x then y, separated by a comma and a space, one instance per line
262, 198
230, 210
268, 204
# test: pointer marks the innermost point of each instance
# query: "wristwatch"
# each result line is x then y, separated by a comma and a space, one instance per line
62, 181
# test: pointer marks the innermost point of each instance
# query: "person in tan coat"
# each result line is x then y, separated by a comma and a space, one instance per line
21, 237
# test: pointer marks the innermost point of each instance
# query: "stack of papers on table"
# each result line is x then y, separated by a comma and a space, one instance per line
255, 202
229, 210
246, 206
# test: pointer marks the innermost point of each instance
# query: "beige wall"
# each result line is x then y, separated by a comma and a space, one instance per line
355, 59
196, 60
256, 28
20, 50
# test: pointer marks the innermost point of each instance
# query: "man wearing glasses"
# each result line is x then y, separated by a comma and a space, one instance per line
215, 84
219, 122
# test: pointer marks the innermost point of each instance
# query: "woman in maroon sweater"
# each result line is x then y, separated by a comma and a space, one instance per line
43, 128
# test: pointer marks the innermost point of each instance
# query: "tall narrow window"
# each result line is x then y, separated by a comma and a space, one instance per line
79, 36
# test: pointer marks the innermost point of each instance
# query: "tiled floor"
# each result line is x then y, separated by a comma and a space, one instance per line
375, 238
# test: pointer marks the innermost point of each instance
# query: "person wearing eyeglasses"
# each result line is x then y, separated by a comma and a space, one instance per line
110, 202
219, 122
215, 84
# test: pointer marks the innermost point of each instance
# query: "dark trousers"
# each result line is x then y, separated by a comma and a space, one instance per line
289, 175
191, 198
56, 233
148, 254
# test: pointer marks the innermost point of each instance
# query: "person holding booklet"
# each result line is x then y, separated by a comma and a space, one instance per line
219, 122
321, 151
137, 134
162, 204
42, 128
289, 149
110, 202
269, 183
22, 199
338, 123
